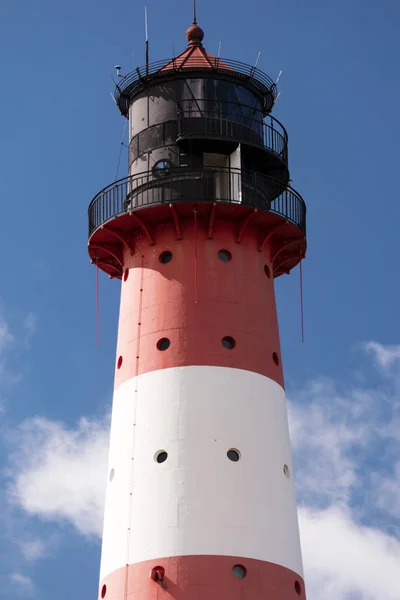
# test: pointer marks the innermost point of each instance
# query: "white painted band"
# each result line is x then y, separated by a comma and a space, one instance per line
198, 501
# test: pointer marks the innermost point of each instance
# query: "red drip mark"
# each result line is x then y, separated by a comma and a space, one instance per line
97, 304
195, 256
301, 301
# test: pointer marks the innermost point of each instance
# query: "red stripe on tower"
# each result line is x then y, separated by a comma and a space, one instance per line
200, 501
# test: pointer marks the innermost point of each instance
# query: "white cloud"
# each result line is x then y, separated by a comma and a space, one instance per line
59, 474
385, 356
343, 558
33, 549
23, 583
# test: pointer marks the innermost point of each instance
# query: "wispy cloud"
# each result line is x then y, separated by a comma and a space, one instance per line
59, 473
23, 584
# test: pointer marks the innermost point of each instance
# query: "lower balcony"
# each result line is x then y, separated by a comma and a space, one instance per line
151, 197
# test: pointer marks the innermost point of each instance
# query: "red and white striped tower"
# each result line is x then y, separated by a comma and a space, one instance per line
200, 501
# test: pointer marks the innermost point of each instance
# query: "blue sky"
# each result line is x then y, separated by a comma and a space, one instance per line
59, 144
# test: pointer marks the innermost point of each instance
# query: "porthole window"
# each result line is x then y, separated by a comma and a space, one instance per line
161, 456
233, 455
163, 344
224, 255
267, 271
103, 591
120, 361
161, 168
165, 257
275, 358
297, 587
286, 471
239, 571
228, 342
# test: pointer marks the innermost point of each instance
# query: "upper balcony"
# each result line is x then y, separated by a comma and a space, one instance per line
134, 82
219, 126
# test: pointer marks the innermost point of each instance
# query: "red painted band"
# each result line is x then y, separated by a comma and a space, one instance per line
203, 578
235, 299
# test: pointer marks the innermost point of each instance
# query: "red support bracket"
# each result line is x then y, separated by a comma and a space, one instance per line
211, 221
143, 227
289, 243
123, 236
270, 234
176, 221
111, 249
244, 224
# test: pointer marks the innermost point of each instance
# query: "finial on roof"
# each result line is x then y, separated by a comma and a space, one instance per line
195, 34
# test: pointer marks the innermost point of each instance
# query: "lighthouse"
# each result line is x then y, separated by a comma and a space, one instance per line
200, 498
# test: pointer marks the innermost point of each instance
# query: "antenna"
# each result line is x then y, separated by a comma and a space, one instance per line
194, 13
117, 70
276, 99
219, 49
258, 58
279, 76
147, 40
112, 96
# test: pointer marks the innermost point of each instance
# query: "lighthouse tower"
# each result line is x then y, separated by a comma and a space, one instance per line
200, 501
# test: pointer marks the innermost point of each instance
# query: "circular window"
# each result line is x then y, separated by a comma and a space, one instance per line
275, 358
239, 571
286, 471
297, 587
103, 591
233, 455
224, 255
126, 274
228, 342
162, 167
165, 257
163, 344
161, 456
267, 271
119, 363
112, 473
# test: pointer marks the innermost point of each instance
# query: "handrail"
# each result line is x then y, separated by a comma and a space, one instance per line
197, 116
200, 184
137, 79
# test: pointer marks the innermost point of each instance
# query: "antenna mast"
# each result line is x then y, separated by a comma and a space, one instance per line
147, 40
194, 13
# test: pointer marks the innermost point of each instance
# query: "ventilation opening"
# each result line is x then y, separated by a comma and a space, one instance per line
120, 361
103, 591
275, 358
239, 571
267, 271
161, 456
228, 342
163, 344
297, 587
224, 255
233, 455
165, 257
126, 274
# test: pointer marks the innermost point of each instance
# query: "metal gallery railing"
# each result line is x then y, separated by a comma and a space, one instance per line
230, 120
196, 184
136, 80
